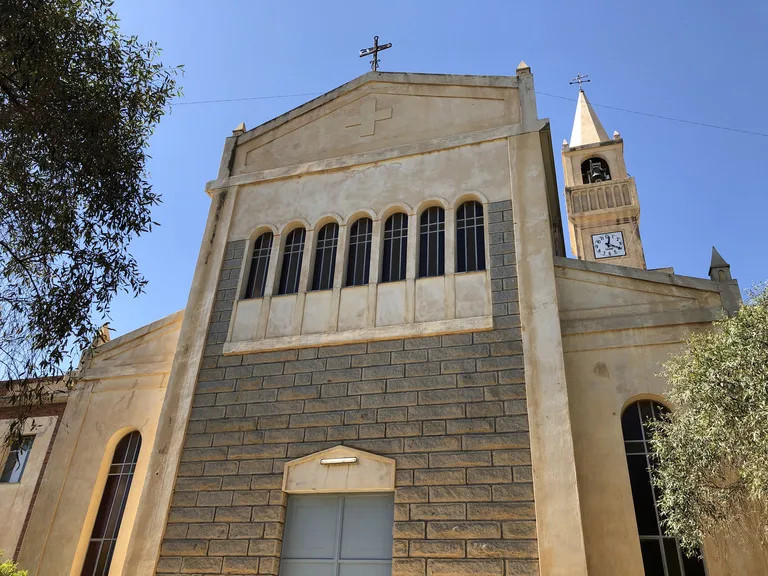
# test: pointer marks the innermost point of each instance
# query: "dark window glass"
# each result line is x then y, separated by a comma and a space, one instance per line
107, 526
292, 257
470, 238
17, 461
662, 555
595, 170
359, 262
432, 242
257, 275
325, 257
395, 248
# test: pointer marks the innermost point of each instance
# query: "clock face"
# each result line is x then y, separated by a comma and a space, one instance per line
609, 245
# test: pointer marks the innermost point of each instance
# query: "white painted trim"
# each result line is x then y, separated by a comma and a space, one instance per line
363, 335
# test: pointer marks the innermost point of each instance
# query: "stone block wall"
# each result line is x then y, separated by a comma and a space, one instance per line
451, 410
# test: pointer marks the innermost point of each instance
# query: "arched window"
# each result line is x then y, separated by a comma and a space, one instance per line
662, 555
470, 237
292, 257
325, 257
432, 242
104, 536
359, 261
595, 170
395, 248
257, 275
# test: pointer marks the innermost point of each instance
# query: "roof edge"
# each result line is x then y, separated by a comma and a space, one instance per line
141, 331
390, 77
638, 274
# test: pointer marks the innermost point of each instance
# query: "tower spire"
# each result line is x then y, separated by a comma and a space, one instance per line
587, 128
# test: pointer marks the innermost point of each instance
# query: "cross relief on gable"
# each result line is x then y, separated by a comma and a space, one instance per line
368, 117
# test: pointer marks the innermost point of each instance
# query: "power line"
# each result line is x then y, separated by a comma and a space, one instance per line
660, 116
647, 114
191, 102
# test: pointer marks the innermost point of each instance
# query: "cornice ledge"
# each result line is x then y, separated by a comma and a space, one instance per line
423, 147
646, 275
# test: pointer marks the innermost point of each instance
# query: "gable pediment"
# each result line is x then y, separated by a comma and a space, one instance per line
147, 350
596, 297
373, 114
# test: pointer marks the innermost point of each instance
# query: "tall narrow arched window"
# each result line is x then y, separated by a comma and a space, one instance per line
595, 170
257, 274
292, 257
432, 242
662, 555
395, 248
470, 238
325, 257
359, 261
104, 536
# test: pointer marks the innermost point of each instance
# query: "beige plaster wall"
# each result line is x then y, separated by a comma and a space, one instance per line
16, 498
121, 389
619, 327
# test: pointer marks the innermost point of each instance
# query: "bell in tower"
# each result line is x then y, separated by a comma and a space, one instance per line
601, 198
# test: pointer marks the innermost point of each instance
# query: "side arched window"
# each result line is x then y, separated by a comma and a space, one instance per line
325, 257
105, 530
662, 555
395, 248
595, 170
292, 257
432, 242
257, 275
359, 259
470, 237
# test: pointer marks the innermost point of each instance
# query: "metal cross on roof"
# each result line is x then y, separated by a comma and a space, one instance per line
375, 49
580, 79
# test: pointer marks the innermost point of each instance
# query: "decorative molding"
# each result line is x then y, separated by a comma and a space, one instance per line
368, 473
362, 335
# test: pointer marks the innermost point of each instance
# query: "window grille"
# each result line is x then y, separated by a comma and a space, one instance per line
292, 257
359, 262
470, 238
17, 461
325, 257
432, 242
395, 248
257, 275
662, 555
105, 530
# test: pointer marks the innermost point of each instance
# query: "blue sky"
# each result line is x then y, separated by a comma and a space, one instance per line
703, 61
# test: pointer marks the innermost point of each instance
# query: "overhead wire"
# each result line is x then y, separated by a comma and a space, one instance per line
626, 110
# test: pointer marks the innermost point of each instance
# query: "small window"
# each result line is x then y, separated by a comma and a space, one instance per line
662, 555
432, 242
332, 534
17, 461
98, 557
470, 238
595, 170
292, 257
257, 275
325, 257
359, 262
395, 248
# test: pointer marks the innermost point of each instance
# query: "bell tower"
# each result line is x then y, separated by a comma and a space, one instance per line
601, 198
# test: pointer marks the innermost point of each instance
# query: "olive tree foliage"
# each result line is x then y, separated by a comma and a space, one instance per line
9, 568
712, 450
78, 103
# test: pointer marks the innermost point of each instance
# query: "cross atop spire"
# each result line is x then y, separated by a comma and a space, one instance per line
580, 79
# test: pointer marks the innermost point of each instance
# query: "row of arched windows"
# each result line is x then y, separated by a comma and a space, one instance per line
470, 251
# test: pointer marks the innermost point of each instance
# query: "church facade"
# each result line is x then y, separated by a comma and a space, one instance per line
386, 364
